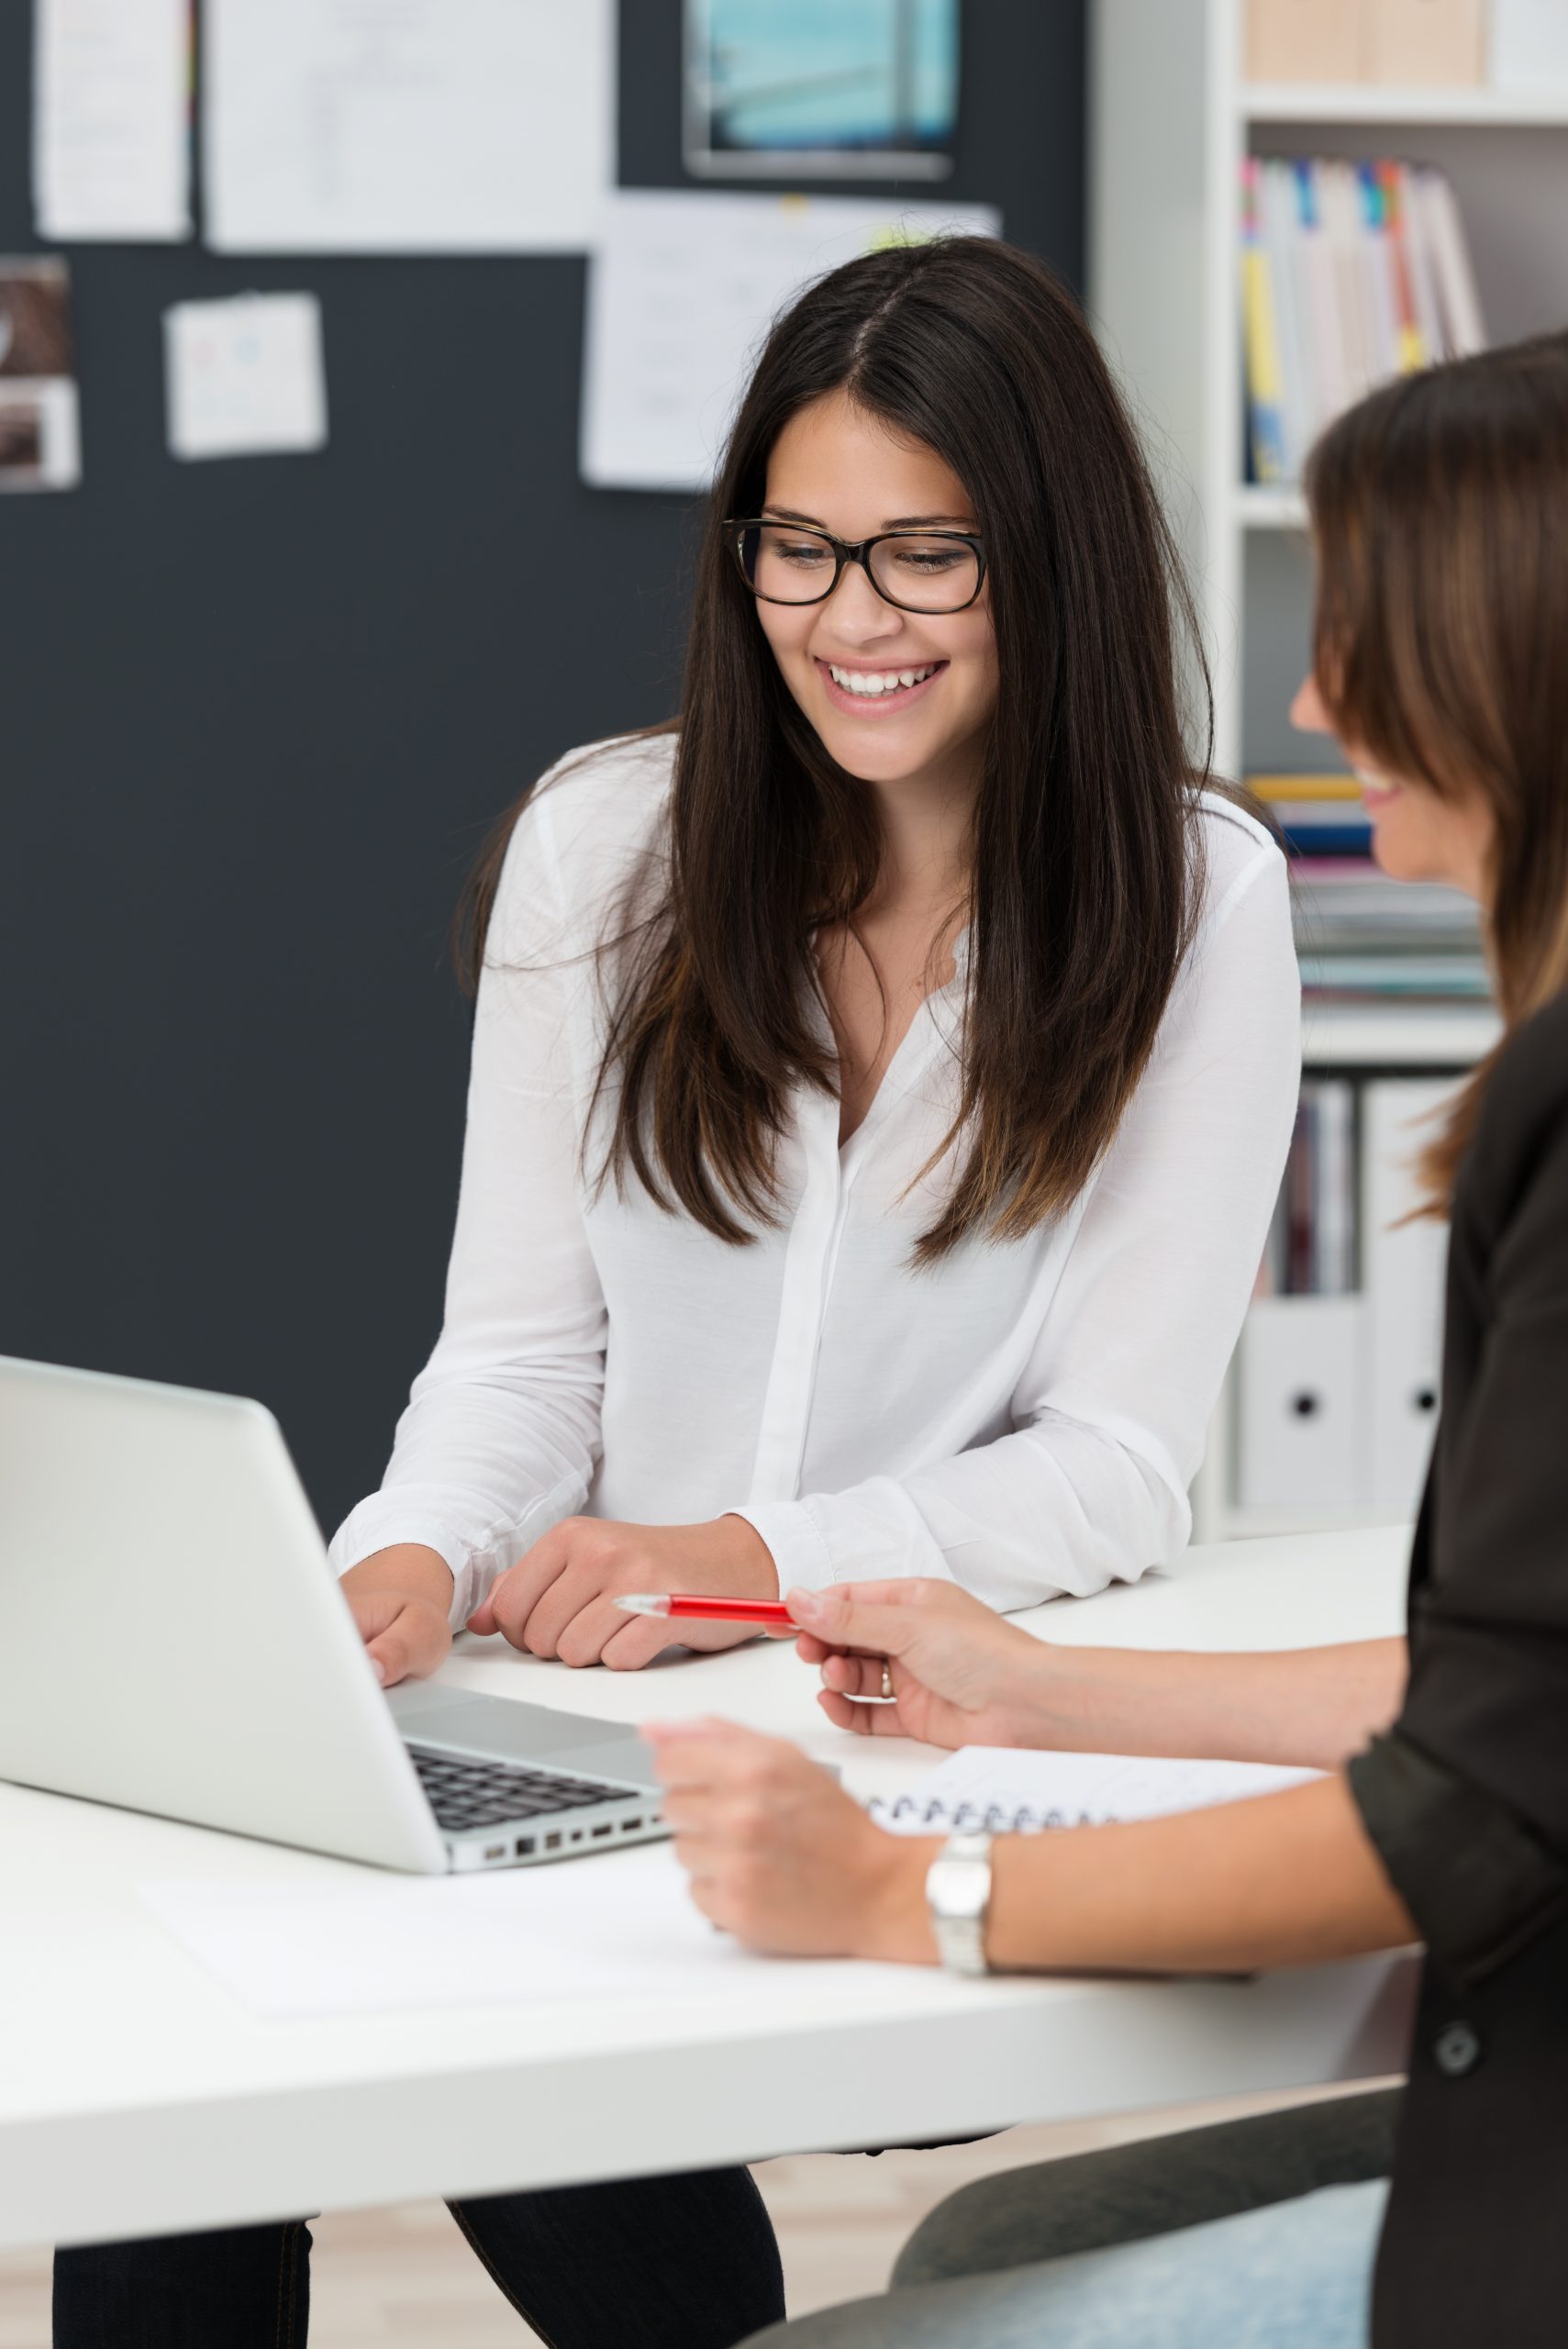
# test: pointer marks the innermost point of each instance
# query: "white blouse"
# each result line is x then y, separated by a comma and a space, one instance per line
1023, 1419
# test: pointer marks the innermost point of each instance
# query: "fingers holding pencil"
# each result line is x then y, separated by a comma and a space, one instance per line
958, 1673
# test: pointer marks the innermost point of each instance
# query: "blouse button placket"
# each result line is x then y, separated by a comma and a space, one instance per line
812, 1254
809, 1259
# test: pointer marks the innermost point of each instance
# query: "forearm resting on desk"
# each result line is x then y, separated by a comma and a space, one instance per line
1291, 1879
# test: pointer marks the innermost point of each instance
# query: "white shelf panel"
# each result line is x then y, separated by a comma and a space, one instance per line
1262, 507
1376, 102
1397, 1035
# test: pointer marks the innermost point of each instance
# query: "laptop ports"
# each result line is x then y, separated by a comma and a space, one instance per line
525, 1846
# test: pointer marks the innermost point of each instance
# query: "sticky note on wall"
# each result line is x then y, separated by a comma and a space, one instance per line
246, 376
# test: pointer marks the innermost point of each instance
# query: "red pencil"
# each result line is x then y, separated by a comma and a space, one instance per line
764, 1612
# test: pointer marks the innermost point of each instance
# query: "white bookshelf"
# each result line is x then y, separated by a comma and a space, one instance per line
1418, 1036
1384, 103
1171, 116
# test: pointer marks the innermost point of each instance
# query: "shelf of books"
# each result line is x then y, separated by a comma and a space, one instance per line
1290, 203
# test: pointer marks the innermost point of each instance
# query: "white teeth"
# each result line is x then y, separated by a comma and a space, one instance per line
869, 683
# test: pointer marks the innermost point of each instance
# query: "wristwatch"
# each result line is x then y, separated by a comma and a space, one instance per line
958, 1894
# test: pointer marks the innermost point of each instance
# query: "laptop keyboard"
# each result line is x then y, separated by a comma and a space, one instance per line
464, 1793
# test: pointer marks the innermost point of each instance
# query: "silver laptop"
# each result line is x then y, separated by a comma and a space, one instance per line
172, 1639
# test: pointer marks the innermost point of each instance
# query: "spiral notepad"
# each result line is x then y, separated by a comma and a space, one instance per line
1001, 1790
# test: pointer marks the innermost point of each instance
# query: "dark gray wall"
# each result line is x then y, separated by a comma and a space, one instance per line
257, 717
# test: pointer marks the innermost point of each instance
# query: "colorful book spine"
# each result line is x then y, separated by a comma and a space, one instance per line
1411, 343
1265, 424
1303, 786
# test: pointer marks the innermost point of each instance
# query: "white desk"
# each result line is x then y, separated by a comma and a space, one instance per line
136, 2098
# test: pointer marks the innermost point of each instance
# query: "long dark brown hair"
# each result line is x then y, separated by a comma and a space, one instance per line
1439, 507
1085, 856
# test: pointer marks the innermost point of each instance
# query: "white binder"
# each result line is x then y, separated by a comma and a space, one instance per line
1334, 1192
1299, 1403
1402, 1267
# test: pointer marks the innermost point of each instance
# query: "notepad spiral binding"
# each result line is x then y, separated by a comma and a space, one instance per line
976, 1819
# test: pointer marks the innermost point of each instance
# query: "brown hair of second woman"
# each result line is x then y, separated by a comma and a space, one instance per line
1085, 854
1440, 509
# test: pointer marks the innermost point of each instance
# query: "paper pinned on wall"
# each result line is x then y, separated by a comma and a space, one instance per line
112, 119
39, 432
407, 126
245, 376
681, 290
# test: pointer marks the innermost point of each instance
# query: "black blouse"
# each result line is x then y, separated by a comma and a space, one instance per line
1467, 1796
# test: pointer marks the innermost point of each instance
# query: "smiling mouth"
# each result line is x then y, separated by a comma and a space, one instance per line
873, 688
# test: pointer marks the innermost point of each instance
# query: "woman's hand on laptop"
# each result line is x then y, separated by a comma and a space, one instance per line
960, 1673
400, 1598
560, 1598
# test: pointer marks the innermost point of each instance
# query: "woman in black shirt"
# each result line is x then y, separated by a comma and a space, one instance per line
1440, 515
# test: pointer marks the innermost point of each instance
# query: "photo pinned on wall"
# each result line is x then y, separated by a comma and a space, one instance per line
833, 89
39, 422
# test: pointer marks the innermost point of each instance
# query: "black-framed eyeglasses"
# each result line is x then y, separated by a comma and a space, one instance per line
917, 571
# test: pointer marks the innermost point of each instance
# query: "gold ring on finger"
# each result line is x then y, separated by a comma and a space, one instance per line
887, 1682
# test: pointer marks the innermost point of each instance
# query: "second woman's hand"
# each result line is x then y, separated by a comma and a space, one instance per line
560, 1598
780, 1855
960, 1674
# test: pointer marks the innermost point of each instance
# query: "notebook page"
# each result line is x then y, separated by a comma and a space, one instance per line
1008, 1790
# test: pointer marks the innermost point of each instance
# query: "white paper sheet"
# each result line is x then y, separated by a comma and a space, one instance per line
622, 1924
407, 126
246, 376
1004, 1789
112, 134
680, 292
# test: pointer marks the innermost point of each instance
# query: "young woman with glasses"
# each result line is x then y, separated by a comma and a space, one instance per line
1439, 509
881, 1079
881, 1085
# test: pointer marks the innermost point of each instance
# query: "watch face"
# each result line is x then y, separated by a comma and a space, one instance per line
960, 1889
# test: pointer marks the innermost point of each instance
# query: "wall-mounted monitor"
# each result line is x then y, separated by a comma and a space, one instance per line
784, 89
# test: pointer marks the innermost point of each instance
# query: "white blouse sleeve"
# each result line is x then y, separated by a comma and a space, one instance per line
500, 1438
1110, 1415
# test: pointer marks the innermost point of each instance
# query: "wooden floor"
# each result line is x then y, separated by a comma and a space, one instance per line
403, 2276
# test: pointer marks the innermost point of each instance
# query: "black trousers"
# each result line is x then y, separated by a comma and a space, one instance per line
687, 2262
